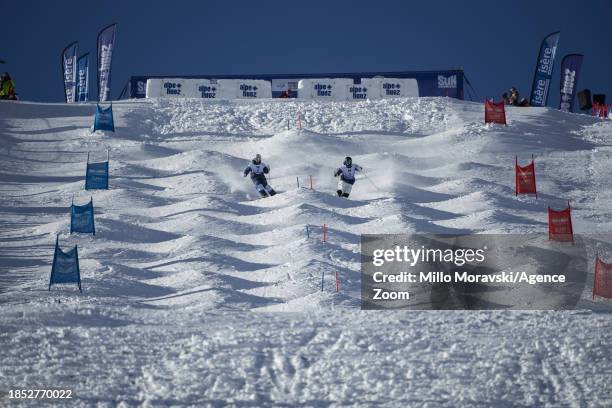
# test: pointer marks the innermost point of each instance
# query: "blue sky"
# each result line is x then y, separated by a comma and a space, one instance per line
495, 42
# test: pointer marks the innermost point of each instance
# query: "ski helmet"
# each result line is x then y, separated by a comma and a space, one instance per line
257, 158
348, 162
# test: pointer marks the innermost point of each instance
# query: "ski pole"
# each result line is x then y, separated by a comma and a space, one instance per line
371, 182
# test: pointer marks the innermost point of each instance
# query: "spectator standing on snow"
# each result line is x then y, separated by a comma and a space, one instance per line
506, 98
7, 87
514, 97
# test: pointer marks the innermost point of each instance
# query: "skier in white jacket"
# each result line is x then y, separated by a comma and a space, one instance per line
347, 177
258, 170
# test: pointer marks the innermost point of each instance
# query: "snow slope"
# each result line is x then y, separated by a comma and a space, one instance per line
188, 273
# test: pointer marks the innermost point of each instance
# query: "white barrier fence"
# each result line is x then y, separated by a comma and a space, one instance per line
334, 89
337, 89
381, 88
208, 88
393, 87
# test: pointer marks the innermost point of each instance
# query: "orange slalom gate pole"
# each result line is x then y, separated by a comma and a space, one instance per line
324, 233
311, 182
337, 283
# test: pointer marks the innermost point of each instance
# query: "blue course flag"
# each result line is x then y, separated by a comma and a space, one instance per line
96, 176
65, 267
103, 120
82, 218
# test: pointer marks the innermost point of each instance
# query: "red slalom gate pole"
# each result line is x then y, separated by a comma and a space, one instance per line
516, 176
324, 233
311, 182
595, 275
534, 178
337, 283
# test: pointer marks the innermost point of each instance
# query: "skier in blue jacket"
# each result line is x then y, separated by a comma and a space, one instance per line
258, 170
347, 177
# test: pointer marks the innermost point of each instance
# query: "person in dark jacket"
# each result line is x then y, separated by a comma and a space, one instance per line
258, 170
514, 97
506, 98
515, 100
7, 87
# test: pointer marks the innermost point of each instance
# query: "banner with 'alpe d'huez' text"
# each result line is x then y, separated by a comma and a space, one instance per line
82, 94
106, 43
544, 69
69, 60
570, 71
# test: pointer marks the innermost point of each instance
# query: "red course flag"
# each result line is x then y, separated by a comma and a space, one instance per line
602, 282
495, 112
560, 225
600, 110
525, 178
